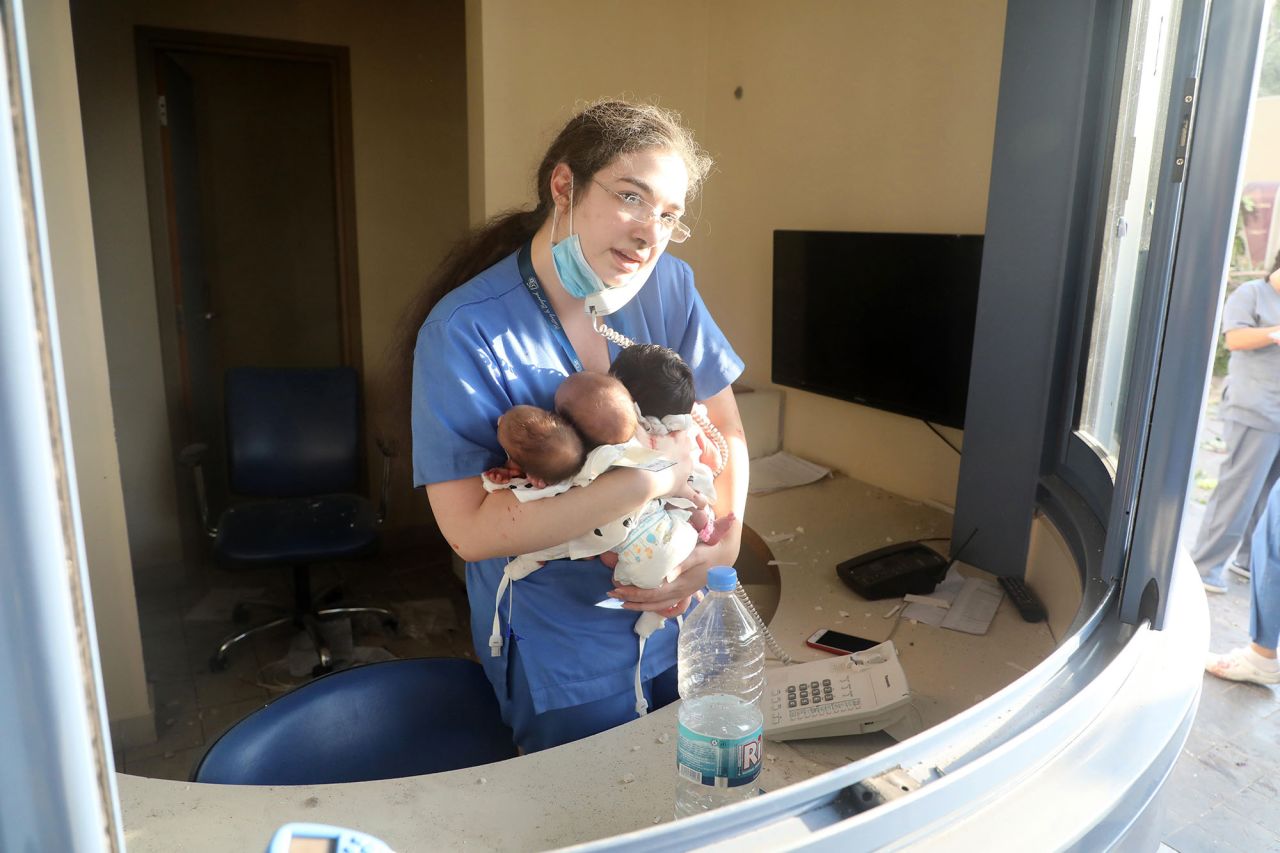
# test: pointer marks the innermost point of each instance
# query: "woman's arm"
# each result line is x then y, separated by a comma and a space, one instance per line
1251, 337
479, 524
672, 598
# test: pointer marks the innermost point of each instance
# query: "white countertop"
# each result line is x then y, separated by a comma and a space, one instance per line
623, 780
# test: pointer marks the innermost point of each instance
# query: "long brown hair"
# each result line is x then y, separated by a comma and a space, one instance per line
587, 143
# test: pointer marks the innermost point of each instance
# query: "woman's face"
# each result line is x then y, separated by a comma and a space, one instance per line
616, 246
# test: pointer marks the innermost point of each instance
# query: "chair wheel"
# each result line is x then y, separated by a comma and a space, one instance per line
240, 614
320, 669
217, 663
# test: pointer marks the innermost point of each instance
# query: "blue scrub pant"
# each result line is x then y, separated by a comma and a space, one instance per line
1252, 466
535, 732
1264, 620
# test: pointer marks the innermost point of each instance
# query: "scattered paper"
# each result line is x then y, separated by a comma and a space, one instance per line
775, 538
974, 607
781, 470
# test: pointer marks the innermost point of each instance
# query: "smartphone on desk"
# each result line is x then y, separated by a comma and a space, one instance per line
837, 643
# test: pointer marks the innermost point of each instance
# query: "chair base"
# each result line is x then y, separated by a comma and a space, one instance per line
308, 622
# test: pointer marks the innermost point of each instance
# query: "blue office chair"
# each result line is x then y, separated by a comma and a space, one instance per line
293, 447
378, 721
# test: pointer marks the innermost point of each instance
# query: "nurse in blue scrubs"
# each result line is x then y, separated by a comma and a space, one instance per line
506, 325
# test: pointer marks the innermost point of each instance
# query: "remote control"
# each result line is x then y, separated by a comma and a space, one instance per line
1029, 607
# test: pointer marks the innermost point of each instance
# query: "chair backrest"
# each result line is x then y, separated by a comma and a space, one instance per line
378, 721
292, 432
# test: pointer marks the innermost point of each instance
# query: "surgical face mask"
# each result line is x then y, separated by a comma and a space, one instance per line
577, 276
579, 279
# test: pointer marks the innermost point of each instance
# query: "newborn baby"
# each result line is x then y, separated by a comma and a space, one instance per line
644, 546
544, 457
661, 384
541, 446
546, 448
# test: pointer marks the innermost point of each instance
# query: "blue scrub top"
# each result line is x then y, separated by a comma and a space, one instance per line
487, 347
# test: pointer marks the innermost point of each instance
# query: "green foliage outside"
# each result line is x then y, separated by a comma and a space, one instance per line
1269, 84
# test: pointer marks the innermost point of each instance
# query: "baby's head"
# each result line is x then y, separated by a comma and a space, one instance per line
599, 406
544, 444
658, 379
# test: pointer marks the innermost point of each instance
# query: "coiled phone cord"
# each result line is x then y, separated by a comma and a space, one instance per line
723, 446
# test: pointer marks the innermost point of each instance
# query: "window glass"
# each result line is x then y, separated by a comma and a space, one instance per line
1135, 178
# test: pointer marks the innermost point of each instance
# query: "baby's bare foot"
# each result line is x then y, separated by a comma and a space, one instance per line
716, 531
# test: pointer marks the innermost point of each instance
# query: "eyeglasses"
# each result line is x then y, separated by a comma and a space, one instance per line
639, 210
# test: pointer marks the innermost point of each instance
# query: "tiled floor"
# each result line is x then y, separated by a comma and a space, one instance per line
194, 706
1224, 792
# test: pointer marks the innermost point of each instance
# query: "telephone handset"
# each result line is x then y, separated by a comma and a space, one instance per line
855, 694
611, 299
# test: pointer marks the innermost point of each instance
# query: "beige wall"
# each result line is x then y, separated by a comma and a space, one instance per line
854, 116
540, 62
410, 138
1262, 153
65, 189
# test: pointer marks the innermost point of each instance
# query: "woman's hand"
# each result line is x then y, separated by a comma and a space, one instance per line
672, 597
681, 448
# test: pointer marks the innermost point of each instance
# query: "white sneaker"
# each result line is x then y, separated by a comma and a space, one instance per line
1215, 588
1238, 570
1237, 665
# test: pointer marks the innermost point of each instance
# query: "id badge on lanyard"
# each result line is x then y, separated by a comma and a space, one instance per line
531, 283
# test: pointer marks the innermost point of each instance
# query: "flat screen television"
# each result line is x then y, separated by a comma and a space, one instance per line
884, 320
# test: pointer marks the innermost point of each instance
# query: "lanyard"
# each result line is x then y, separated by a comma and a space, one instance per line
534, 287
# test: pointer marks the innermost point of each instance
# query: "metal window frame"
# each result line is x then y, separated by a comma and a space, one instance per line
1054, 131
1035, 337
57, 775
1183, 328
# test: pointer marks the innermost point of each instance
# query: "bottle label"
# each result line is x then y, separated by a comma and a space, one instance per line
719, 762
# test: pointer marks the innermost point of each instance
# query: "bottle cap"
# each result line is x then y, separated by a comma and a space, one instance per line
722, 579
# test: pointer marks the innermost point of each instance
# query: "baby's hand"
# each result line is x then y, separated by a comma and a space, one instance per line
503, 474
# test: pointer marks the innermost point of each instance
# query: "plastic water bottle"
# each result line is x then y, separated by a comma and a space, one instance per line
720, 736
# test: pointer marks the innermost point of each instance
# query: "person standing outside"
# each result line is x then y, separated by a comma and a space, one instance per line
1251, 417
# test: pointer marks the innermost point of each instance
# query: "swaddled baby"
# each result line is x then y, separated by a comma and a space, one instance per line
661, 384
595, 428
642, 547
